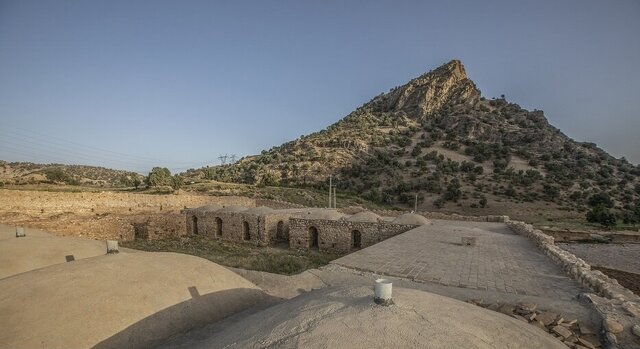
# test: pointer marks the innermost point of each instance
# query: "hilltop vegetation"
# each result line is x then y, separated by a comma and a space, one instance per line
438, 138
27, 173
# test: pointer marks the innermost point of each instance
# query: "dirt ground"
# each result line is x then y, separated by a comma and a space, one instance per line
626, 279
624, 257
99, 215
619, 261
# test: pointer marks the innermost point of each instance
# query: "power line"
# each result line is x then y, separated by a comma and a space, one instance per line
74, 145
58, 152
55, 149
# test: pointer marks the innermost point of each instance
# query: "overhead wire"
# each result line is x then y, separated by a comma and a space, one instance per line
45, 147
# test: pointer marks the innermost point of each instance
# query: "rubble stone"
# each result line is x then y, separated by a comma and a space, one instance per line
547, 317
586, 343
562, 331
635, 329
612, 326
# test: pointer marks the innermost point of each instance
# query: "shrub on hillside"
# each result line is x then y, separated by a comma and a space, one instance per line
601, 199
601, 215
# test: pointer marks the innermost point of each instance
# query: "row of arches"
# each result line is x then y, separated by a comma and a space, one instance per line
314, 239
246, 233
195, 230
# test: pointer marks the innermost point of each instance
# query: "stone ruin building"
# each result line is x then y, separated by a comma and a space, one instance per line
325, 230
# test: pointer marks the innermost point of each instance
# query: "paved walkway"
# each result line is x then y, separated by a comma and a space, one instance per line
501, 261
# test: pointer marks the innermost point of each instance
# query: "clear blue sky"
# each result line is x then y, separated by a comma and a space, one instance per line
133, 84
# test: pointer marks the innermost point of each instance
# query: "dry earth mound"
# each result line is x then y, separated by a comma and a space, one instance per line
127, 300
348, 318
39, 249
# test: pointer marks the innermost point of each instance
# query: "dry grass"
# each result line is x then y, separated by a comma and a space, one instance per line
238, 255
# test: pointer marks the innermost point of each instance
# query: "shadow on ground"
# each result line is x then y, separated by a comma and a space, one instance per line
196, 312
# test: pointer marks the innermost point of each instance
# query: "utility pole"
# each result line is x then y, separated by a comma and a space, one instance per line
334, 198
415, 205
330, 191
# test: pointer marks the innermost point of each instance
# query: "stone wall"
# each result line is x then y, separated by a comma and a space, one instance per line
264, 229
429, 215
230, 226
276, 227
617, 305
624, 237
336, 236
628, 237
47, 203
567, 235
158, 226
277, 204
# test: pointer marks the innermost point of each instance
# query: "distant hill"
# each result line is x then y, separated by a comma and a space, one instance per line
29, 173
437, 137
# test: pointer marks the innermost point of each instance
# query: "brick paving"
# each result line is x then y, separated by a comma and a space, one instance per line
501, 261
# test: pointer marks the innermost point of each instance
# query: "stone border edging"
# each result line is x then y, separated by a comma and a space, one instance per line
595, 280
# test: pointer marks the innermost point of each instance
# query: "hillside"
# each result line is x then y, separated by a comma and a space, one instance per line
20, 173
437, 137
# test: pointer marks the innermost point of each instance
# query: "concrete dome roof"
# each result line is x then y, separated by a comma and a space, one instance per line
348, 318
208, 208
125, 300
39, 249
364, 216
322, 213
411, 219
259, 210
233, 208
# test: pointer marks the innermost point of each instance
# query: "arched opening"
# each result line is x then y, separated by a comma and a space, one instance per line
281, 234
247, 232
194, 225
218, 227
356, 239
313, 238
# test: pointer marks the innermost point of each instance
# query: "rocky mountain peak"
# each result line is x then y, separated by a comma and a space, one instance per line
428, 93
454, 69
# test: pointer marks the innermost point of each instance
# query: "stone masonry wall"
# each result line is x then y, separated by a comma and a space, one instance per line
429, 215
335, 236
47, 203
277, 204
158, 226
262, 228
271, 227
232, 226
628, 237
620, 308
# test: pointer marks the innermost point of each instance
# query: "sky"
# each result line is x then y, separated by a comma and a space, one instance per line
135, 84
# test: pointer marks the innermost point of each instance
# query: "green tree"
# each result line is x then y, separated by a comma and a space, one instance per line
453, 192
551, 191
159, 176
601, 215
601, 199
269, 179
177, 182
